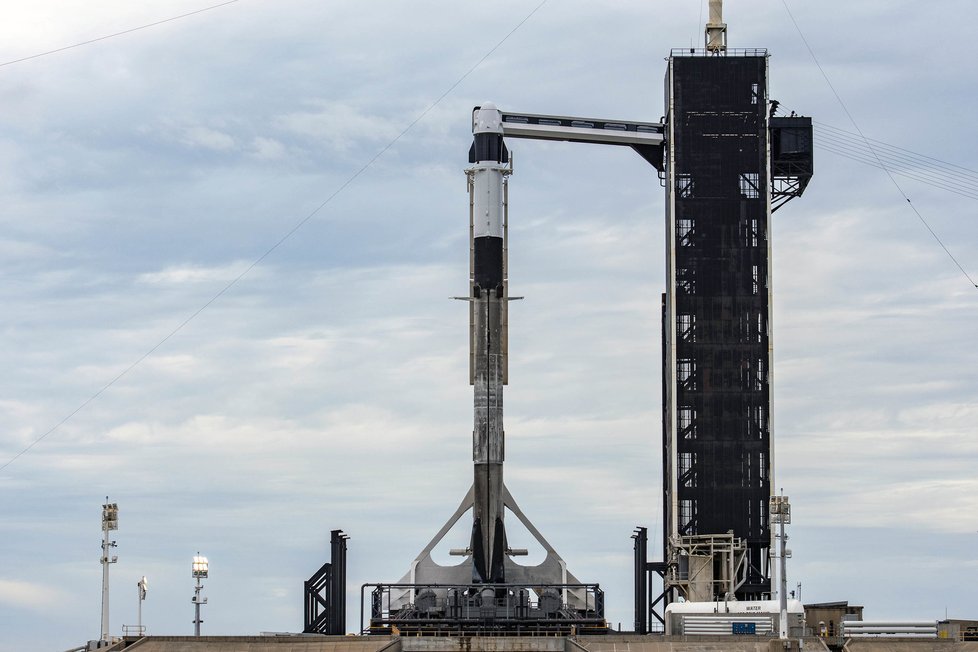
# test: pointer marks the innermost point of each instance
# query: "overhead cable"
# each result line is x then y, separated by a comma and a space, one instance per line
122, 33
298, 225
902, 152
898, 158
872, 149
853, 152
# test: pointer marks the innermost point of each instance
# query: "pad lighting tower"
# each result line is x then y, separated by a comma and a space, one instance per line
110, 521
780, 512
141, 587
199, 570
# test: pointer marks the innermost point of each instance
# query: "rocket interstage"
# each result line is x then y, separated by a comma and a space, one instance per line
488, 328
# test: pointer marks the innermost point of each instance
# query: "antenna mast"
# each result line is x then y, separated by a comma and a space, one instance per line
716, 29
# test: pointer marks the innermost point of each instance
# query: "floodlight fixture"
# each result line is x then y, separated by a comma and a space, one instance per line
110, 516
780, 510
199, 567
143, 585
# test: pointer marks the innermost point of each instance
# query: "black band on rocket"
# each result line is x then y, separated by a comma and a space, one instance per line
488, 262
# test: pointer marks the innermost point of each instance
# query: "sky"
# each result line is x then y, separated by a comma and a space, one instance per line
328, 389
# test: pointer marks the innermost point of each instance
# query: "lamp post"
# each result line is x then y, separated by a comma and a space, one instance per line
780, 513
141, 587
110, 521
199, 570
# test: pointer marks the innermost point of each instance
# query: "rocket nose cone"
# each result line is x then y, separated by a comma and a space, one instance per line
488, 120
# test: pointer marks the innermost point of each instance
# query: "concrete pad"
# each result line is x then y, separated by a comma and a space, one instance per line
266, 644
482, 644
910, 645
658, 643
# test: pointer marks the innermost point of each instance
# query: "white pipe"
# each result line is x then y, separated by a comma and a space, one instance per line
716, 30
716, 11
783, 582
105, 582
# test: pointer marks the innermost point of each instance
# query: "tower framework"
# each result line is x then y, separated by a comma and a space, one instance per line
717, 324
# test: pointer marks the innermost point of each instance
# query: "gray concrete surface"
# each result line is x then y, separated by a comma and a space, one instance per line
266, 644
609, 643
909, 645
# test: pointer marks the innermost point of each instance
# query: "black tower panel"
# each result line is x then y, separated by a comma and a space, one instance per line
720, 388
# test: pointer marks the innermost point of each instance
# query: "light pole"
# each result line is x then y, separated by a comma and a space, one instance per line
780, 513
141, 587
199, 570
110, 521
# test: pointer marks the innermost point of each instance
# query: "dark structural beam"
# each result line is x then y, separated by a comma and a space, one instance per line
325, 592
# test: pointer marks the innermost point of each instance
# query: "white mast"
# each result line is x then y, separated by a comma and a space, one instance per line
716, 29
141, 588
780, 515
110, 521
199, 572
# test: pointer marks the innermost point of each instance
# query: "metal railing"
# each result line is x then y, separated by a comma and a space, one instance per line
729, 52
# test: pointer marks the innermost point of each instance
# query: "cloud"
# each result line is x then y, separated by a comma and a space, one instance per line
19, 594
329, 387
268, 148
206, 138
337, 126
183, 274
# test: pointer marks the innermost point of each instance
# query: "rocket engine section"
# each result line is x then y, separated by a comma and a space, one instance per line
488, 339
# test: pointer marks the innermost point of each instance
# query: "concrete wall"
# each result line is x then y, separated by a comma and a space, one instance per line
616, 643
609, 643
482, 644
266, 644
912, 645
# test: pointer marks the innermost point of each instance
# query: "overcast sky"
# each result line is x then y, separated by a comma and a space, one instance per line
328, 388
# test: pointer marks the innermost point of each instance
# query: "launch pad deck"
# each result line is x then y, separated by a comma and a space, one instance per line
610, 643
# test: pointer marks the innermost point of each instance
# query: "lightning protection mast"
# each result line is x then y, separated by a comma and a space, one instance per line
110, 521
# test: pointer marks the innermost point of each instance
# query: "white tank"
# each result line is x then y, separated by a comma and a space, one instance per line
757, 617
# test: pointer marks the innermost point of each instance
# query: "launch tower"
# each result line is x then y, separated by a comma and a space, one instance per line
729, 164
